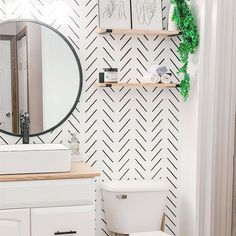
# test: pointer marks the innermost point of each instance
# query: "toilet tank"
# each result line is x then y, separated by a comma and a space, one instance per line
134, 206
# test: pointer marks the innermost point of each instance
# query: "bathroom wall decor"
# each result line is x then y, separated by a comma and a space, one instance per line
114, 14
185, 21
147, 14
127, 134
37, 87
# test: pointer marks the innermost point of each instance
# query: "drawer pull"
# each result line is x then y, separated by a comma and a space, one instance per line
68, 232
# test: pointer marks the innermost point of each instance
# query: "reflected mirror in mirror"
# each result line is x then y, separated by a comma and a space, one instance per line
40, 74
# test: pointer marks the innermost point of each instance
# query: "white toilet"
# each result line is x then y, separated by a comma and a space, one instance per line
134, 208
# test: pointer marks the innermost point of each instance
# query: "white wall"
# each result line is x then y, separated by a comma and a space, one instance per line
188, 141
60, 76
125, 133
5, 85
34, 74
188, 165
8, 30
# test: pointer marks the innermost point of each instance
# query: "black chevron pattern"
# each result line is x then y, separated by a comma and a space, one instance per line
125, 133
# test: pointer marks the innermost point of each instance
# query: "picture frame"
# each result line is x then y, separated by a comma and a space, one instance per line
114, 14
146, 14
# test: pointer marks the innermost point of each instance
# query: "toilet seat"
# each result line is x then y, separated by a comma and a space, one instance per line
153, 233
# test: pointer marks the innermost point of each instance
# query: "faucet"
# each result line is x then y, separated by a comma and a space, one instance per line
24, 127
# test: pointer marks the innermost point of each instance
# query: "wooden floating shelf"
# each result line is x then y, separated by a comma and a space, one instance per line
134, 85
138, 32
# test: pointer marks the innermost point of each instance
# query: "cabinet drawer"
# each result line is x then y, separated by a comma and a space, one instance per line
71, 221
15, 222
47, 193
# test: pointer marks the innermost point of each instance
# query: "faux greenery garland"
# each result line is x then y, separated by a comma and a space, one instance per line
183, 18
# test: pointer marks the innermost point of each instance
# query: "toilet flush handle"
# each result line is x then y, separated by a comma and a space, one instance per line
122, 196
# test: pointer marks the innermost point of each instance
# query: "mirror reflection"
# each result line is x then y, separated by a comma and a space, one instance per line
39, 75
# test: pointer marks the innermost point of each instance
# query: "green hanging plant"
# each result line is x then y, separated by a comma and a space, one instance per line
183, 18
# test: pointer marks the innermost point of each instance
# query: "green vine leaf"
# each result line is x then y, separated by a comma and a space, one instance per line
183, 18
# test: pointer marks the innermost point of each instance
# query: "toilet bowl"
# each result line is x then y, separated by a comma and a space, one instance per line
134, 208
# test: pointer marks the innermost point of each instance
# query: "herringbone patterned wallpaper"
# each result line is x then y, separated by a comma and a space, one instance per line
125, 133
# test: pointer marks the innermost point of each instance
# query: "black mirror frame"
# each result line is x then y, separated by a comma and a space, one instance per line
80, 75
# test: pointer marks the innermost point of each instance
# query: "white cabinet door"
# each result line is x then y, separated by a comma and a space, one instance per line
15, 222
66, 221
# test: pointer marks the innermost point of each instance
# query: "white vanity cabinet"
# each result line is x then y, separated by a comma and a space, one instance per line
51, 204
75, 220
15, 222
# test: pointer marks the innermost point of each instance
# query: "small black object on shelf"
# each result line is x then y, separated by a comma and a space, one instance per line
101, 77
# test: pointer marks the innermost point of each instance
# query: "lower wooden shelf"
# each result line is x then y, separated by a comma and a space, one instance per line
133, 85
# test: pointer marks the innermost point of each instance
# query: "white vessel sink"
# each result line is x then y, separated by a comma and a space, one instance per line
34, 158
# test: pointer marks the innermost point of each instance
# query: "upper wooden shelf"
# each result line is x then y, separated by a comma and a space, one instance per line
158, 85
138, 32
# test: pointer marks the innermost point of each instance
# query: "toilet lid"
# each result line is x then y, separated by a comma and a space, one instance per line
154, 233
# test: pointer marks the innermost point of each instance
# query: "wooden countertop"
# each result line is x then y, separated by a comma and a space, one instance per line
78, 171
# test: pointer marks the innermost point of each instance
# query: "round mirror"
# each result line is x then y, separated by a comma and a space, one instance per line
40, 76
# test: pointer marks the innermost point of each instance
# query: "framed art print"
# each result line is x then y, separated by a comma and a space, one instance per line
147, 14
114, 14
